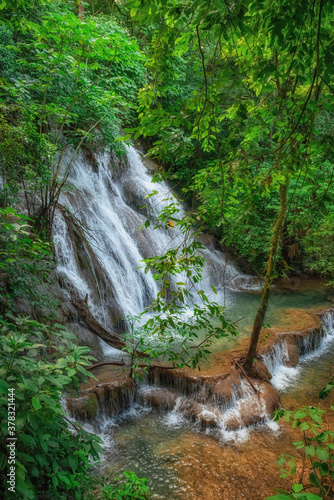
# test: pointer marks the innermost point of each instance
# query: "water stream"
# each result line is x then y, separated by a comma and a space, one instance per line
168, 449
108, 201
165, 447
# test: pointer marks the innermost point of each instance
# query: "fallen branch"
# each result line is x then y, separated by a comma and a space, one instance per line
111, 338
121, 363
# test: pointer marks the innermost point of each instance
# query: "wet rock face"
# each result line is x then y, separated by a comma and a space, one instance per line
292, 352
223, 389
260, 371
250, 412
208, 240
83, 408
208, 415
109, 399
228, 400
270, 397
160, 398
247, 415
176, 379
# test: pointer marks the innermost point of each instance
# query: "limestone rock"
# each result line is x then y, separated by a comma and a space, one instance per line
260, 371
270, 397
209, 416
234, 377
206, 414
248, 413
233, 423
208, 240
223, 389
83, 408
292, 352
160, 398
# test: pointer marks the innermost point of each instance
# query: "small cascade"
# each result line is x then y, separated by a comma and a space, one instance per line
308, 346
101, 259
276, 357
226, 406
176, 380
175, 418
243, 414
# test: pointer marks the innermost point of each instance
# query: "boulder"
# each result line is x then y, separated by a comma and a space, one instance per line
248, 413
206, 414
223, 389
253, 410
270, 397
209, 416
83, 408
208, 240
260, 371
233, 423
160, 398
234, 377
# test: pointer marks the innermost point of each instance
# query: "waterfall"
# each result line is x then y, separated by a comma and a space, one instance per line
309, 346
107, 200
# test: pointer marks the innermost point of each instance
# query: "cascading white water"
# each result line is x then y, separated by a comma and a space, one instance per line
309, 347
107, 202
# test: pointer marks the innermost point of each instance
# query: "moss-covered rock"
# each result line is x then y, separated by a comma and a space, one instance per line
83, 408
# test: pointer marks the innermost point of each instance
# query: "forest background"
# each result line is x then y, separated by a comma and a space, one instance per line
232, 100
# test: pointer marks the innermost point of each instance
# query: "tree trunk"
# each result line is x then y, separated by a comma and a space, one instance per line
81, 9
271, 264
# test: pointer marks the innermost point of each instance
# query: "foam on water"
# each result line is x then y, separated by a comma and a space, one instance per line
174, 418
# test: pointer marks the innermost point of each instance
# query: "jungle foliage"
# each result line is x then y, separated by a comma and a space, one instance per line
261, 86
235, 100
65, 84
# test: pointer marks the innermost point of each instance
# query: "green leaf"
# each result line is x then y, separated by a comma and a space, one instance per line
36, 403
4, 386
281, 461
314, 480
279, 497
324, 469
322, 453
29, 385
310, 450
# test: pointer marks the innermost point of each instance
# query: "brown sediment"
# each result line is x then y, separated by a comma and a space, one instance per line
294, 284
213, 471
238, 471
